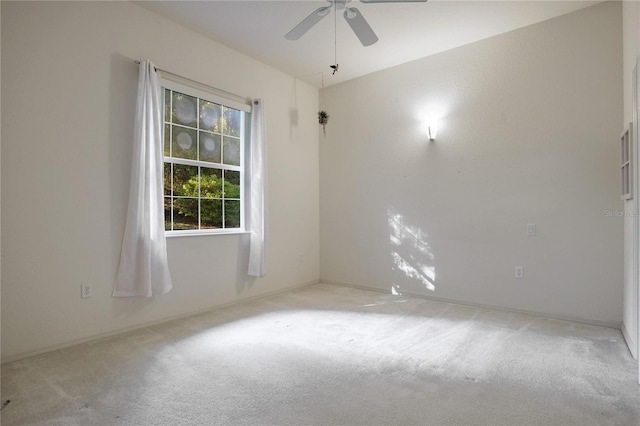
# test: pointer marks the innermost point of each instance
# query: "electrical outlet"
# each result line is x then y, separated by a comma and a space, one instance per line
86, 291
531, 229
519, 272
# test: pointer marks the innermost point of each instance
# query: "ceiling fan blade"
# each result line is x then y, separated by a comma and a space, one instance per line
360, 26
393, 1
307, 23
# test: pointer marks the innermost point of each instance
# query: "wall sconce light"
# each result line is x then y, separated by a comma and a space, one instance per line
432, 128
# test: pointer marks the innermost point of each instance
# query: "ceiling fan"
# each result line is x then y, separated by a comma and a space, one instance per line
352, 15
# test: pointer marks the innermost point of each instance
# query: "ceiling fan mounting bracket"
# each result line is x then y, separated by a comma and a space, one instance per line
339, 4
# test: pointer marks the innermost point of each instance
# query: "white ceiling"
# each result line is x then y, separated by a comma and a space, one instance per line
406, 31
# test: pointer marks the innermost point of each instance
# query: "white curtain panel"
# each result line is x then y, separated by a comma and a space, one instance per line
258, 201
144, 270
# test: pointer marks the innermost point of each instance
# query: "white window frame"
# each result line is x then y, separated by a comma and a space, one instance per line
202, 94
626, 171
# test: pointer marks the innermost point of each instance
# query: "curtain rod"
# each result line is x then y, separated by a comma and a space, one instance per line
244, 99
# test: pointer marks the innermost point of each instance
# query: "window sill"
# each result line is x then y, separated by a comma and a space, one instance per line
174, 234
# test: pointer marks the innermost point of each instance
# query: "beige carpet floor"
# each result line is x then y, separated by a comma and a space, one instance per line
328, 355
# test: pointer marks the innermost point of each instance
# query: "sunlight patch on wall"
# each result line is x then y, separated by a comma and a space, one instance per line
411, 254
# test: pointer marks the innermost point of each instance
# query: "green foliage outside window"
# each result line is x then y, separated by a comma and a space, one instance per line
215, 192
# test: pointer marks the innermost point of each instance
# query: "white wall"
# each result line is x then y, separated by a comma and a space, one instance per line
631, 49
0, 184
69, 99
529, 134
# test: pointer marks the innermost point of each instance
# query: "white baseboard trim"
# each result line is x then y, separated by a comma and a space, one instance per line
607, 324
631, 342
108, 334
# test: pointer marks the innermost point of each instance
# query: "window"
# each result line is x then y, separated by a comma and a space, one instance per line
204, 148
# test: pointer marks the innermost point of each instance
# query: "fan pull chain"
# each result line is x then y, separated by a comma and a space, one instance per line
334, 67
321, 91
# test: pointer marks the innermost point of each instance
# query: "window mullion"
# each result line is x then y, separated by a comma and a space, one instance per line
196, 163
224, 184
199, 198
171, 199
